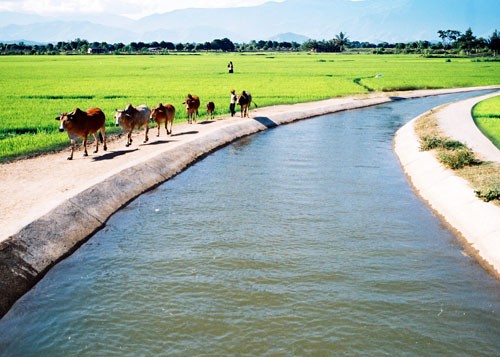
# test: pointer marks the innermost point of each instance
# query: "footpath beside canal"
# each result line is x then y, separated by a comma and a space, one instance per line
476, 222
50, 206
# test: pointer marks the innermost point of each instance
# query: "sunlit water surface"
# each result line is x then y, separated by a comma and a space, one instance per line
302, 240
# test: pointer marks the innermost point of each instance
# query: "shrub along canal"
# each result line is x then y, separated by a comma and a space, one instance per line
301, 240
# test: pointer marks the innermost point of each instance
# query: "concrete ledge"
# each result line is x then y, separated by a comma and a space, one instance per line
477, 223
29, 253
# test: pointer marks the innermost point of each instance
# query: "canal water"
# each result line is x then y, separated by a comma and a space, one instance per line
304, 240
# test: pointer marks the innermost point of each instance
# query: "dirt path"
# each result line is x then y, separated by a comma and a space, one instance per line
457, 122
31, 188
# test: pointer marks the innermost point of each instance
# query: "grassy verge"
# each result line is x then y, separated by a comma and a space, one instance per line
484, 177
487, 117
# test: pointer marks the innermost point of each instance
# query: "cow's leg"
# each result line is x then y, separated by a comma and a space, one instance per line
70, 157
102, 132
129, 138
158, 125
85, 153
96, 138
146, 138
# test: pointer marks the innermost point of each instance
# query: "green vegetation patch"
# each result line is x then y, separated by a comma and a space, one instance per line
484, 177
487, 117
35, 89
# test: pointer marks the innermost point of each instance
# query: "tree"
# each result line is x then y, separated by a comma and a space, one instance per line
227, 45
448, 37
467, 41
494, 43
199, 47
341, 40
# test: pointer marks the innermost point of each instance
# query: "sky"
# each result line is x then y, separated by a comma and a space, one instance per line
131, 8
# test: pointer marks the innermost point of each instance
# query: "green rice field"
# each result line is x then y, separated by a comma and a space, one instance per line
487, 117
35, 89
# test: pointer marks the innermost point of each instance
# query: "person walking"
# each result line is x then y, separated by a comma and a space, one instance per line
232, 102
231, 67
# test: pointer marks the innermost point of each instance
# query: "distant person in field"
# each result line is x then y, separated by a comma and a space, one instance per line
232, 102
231, 67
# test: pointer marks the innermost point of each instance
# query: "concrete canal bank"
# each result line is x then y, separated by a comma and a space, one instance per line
477, 223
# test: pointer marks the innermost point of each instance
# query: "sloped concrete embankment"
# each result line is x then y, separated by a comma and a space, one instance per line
476, 223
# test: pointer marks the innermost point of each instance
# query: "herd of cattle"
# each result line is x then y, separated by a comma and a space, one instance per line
81, 124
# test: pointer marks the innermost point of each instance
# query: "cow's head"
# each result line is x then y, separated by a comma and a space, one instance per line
189, 103
152, 114
63, 118
155, 111
119, 114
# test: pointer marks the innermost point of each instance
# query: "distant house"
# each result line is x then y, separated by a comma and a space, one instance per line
95, 50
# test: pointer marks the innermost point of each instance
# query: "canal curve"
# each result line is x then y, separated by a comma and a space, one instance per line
301, 240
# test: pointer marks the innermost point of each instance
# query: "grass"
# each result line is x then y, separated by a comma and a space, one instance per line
35, 89
487, 117
484, 177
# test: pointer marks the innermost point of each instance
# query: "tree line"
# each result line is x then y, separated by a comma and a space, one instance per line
452, 42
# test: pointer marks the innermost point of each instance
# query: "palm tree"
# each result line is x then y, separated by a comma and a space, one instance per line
341, 40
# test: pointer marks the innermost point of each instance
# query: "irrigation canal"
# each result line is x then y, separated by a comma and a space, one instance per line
301, 240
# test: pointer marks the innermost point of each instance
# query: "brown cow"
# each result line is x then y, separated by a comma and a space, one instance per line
80, 124
192, 103
131, 118
210, 110
244, 101
163, 114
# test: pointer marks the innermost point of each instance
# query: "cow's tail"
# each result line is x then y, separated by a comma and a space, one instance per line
250, 101
100, 137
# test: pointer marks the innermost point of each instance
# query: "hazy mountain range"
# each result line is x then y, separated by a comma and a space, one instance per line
291, 20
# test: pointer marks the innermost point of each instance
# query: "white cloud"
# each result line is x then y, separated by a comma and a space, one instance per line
131, 8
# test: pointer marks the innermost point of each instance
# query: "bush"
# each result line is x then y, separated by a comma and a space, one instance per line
458, 158
452, 145
489, 195
430, 142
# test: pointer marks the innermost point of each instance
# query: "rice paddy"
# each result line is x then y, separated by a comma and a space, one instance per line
35, 89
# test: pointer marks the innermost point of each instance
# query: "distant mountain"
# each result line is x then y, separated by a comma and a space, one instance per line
289, 37
367, 20
25, 42
65, 31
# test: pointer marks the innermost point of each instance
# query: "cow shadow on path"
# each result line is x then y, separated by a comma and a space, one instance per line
158, 142
186, 133
112, 154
